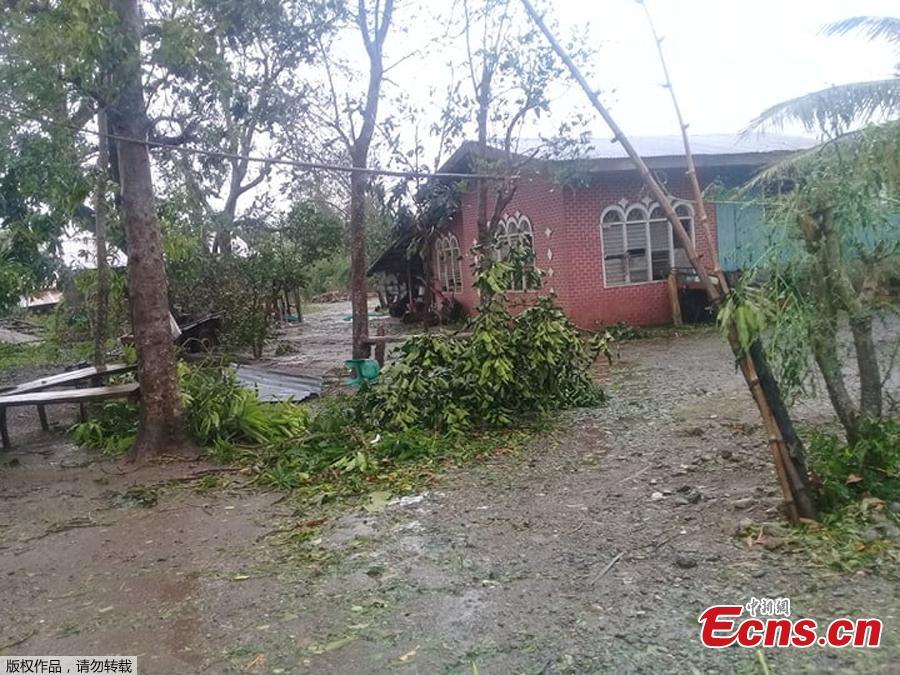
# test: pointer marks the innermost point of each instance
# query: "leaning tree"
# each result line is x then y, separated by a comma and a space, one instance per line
789, 463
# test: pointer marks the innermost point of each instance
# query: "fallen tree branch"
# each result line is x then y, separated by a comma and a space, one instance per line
608, 567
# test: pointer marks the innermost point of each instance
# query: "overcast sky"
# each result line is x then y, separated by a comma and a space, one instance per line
729, 59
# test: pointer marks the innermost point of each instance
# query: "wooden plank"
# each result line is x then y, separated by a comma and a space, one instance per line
69, 377
70, 395
673, 298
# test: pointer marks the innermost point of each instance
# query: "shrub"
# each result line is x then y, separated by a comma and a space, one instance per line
510, 369
623, 332
870, 467
220, 414
331, 273
75, 316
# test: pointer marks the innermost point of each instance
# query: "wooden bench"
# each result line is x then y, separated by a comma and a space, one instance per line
69, 377
80, 396
34, 392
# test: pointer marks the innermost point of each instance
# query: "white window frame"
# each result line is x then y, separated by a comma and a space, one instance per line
449, 263
623, 209
513, 231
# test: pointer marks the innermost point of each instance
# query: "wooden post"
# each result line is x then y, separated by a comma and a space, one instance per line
4, 432
380, 347
673, 298
297, 301
409, 286
42, 414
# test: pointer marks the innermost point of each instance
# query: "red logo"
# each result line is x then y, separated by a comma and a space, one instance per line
721, 626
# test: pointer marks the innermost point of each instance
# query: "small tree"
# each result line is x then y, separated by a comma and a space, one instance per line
834, 245
228, 75
90, 52
351, 121
508, 87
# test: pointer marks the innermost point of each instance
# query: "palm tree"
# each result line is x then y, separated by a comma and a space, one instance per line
835, 109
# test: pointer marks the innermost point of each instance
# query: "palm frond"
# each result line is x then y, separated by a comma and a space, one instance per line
836, 108
883, 150
875, 27
790, 165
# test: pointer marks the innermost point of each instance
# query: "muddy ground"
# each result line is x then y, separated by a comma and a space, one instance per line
557, 558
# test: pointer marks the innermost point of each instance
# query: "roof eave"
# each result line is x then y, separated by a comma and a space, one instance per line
748, 159
460, 160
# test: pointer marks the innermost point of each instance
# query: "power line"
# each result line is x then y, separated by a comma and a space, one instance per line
280, 161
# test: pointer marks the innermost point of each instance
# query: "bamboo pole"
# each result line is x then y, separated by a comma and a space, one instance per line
788, 477
689, 157
791, 473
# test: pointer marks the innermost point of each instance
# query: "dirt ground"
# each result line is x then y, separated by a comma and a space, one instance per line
592, 550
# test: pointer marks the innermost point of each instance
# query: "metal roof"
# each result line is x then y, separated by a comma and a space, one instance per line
672, 146
659, 152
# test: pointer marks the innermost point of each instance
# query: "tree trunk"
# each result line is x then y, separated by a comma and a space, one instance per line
100, 217
484, 97
225, 224
297, 301
358, 285
161, 427
428, 274
842, 289
834, 292
870, 401
824, 346
824, 343
359, 154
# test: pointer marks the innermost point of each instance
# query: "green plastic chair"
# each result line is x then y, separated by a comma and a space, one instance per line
364, 370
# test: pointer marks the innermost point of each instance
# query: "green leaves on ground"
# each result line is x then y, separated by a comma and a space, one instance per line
221, 415
859, 487
510, 369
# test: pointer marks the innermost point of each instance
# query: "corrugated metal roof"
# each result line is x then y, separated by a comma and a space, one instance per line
672, 146
274, 386
45, 298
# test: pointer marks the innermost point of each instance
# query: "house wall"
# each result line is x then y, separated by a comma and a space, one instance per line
568, 248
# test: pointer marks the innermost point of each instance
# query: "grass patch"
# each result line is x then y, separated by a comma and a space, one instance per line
43, 354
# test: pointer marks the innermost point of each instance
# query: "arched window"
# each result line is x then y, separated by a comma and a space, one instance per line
660, 244
449, 264
638, 245
614, 259
516, 231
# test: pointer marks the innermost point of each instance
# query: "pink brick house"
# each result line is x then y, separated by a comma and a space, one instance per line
603, 245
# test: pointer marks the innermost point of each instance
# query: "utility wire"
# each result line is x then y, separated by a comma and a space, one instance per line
281, 161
